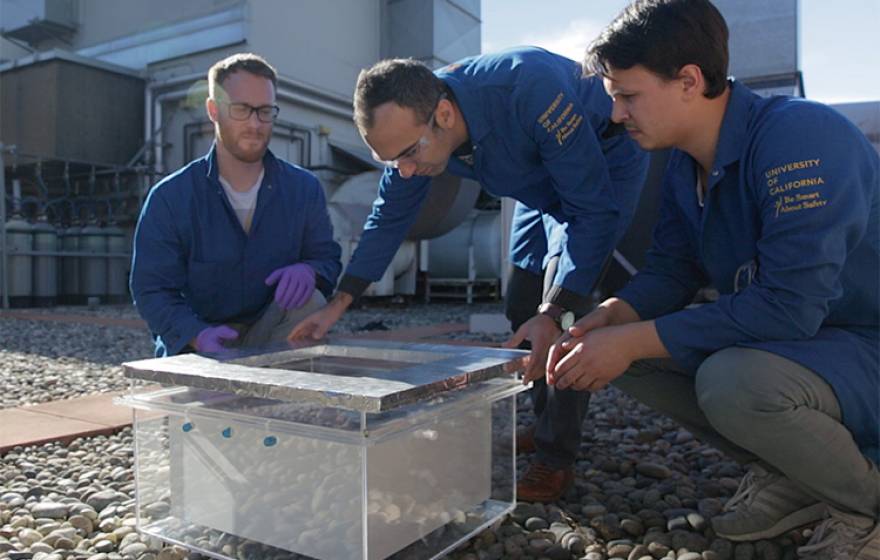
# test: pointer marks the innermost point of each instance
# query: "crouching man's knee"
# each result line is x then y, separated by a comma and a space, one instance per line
738, 391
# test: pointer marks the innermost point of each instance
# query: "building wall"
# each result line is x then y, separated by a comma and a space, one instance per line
763, 36
99, 21
436, 32
321, 43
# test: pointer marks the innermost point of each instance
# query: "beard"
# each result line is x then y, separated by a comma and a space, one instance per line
247, 147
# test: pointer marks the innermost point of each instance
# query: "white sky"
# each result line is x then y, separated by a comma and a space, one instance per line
839, 39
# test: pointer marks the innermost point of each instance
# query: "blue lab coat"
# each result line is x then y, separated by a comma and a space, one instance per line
193, 265
789, 235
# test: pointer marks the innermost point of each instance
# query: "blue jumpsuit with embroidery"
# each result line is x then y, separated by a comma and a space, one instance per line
790, 237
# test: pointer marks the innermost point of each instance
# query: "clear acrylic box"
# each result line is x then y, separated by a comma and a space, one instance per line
273, 464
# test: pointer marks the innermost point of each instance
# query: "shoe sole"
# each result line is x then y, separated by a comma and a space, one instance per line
794, 520
544, 499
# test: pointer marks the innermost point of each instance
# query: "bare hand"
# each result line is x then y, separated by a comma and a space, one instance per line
593, 360
316, 325
596, 319
541, 331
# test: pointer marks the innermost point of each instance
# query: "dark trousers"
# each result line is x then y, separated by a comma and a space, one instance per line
559, 413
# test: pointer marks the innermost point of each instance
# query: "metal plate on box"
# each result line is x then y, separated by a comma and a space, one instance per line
363, 375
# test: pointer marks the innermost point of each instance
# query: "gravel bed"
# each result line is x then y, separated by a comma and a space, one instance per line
43, 361
645, 488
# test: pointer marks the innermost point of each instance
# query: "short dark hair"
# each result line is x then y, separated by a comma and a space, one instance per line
404, 81
248, 62
663, 36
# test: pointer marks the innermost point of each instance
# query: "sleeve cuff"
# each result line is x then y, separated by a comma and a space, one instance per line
323, 285
353, 285
175, 342
678, 338
642, 311
566, 299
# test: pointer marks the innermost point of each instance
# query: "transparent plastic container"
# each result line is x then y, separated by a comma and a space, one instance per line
240, 476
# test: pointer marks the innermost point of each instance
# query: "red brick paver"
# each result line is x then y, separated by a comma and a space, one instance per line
61, 421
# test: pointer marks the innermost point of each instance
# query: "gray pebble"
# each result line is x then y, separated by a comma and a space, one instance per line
697, 521
638, 552
619, 549
632, 527
574, 543
52, 510
654, 470
133, 549
102, 499
104, 545
536, 524
63, 543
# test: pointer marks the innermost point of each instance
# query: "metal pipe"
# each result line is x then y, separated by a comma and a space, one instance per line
16, 196
111, 167
92, 182
66, 178
38, 175
5, 257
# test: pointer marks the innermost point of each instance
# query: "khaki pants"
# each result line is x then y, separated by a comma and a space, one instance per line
757, 406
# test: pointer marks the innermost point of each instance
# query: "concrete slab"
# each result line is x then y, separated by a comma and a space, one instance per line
489, 323
19, 426
97, 409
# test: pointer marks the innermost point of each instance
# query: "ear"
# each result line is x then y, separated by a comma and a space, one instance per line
445, 114
692, 82
211, 109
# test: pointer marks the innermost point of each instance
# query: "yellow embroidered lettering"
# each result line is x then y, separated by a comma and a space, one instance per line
546, 114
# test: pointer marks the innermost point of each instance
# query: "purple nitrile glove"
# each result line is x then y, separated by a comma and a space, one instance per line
296, 284
211, 339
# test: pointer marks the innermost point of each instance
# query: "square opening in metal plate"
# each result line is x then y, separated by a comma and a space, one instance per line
341, 365
348, 361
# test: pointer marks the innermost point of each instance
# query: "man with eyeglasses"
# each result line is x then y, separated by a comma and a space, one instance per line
229, 250
525, 125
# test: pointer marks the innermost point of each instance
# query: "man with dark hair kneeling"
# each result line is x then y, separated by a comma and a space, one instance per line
526, 124
774, 202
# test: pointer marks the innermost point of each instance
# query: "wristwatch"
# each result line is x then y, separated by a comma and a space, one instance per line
563, 317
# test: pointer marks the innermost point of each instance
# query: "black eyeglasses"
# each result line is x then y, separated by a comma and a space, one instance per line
243, 111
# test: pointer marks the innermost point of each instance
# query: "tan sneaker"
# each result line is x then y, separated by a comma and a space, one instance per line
542, 483
843, 536
766, 505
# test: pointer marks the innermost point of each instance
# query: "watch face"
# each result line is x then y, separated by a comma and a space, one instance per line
566, 320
